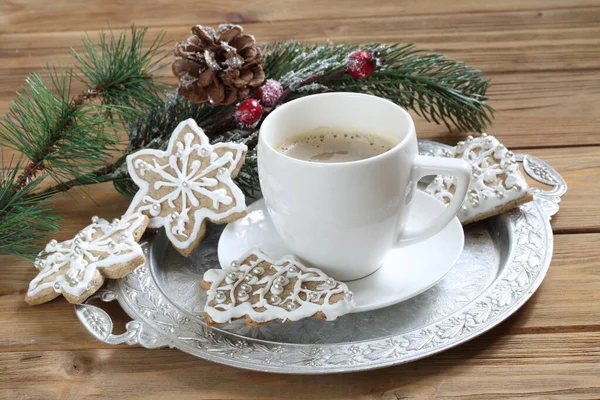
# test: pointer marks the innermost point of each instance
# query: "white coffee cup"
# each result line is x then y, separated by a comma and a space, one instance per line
345, 217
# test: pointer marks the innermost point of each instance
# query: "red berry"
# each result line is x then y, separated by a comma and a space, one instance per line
269, 92
361, 64
248, 112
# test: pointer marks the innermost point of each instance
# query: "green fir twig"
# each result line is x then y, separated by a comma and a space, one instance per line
68, 137
25, 218
120, 70
437, 88
61, 137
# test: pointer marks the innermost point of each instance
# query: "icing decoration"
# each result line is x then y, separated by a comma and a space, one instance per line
187, 183
495, 181
264, 290
78, 266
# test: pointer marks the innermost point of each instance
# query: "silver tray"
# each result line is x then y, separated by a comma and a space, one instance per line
504, 261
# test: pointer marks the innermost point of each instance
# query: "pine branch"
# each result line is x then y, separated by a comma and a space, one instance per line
103, 174
59, 136
159, 122
437, 88
71, 138
121, 71
151, 130
25, 218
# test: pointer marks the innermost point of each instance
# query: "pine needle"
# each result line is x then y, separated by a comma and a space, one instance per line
25, 219
59, 137
71, 137
437, 88
122, 71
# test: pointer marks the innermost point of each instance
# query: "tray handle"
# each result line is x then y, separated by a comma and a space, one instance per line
542, 172
100, 325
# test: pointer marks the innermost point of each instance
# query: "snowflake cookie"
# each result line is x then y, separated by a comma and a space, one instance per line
188, 183
76, 268
497, 185
261, 290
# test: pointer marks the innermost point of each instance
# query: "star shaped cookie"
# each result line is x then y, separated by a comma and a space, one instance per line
76, 268
188, 183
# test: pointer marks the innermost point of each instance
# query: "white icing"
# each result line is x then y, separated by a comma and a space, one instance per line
292, 307
189, 183
488, 190
71, 265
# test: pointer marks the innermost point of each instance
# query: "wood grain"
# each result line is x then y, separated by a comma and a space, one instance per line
534, 30
580, 167
493, 366
543, 57
496, 42
556, 40
26, 15
525, 53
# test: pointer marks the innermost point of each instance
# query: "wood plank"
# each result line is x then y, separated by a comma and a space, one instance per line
535, 107
494, 42
25, 15
493, 366
568, 300
580, 167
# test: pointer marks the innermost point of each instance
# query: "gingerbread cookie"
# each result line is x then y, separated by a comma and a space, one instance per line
497, 185
188, 183
76, 268
261, 290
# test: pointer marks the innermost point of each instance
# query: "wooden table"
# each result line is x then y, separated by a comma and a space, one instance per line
543, 57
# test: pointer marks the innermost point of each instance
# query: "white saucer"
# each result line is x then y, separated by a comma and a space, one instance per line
405, 272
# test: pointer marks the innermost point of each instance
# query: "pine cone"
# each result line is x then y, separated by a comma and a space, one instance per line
217, 67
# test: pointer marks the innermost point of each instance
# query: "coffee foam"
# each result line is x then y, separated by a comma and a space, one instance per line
331, 145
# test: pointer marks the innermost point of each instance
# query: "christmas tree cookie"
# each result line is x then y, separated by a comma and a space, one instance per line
497, 185
261, 290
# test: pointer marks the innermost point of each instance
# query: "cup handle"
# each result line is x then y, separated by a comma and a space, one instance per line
424, 166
